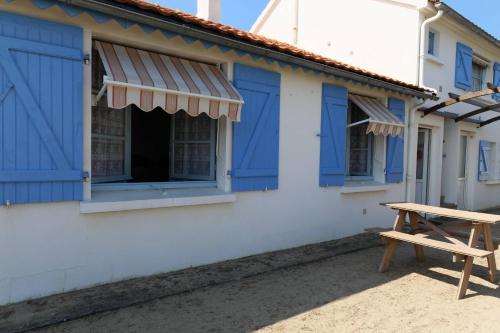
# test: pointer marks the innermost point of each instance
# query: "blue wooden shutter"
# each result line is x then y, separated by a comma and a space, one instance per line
463, 67
394, 166
256, 137
40, 111
334, 103
496, 80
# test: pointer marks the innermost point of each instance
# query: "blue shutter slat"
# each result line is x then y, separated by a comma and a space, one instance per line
334, 103
395, 147
42, 148
256, 137
496, 80
463, 67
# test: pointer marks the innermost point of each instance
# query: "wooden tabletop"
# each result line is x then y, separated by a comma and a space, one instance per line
445, 212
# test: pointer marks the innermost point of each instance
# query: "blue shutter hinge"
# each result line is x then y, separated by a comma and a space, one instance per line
86, 176
86, 59
228, 173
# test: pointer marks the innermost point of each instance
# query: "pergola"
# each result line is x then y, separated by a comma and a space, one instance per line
471, 98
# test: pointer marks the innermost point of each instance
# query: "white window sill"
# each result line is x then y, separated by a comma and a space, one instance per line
492, 182
118, 201
363, 186
434, 59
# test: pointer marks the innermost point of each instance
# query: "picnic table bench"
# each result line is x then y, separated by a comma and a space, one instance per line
421, 229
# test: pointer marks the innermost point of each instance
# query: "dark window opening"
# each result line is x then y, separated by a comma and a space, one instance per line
360, 144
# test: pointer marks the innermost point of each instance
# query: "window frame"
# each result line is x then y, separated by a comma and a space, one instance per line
370, 149
128, 150
433, 43
484, 68
214, 124
217, 153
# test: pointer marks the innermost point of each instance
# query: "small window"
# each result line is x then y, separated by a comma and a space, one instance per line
478, 75
360, 145
432, 43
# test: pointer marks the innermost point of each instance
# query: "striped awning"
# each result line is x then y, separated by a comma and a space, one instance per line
380, 120
150, 80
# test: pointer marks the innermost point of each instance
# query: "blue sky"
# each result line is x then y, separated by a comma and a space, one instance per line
242, 13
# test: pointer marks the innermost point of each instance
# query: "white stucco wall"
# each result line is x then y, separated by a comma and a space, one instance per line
383, 36
51, 248
378, 35
440, 74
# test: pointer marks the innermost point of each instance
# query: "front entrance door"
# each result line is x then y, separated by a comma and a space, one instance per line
423, 162
462, 173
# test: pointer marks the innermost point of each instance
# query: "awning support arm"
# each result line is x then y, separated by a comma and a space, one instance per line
358, 123
489, 121
492, 89
476, 112
101, 93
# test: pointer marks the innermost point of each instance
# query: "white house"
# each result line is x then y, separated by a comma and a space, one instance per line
430, 44
135, 139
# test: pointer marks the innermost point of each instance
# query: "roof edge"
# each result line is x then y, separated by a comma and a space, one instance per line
462, 20
233, 39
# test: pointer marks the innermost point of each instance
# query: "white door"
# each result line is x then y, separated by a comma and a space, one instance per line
462, 173
422, 176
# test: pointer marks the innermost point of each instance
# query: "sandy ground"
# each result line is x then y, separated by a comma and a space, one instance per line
340, 294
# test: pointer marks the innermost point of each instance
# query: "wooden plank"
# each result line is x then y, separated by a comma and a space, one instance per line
419, 249
462, 98
440, 245
488, 245
439, 231
391, 244
464, 279
388, 254
445, 212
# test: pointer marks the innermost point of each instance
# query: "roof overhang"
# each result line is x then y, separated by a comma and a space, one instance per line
143, 16
466, 23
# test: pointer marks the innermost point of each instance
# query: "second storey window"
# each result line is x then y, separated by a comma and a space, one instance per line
359, 145
478, 74
432, 47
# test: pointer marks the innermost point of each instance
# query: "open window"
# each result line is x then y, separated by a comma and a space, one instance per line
155, 118
360, 144
369, 123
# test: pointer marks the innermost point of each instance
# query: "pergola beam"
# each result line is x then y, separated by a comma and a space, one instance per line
489, 121
463, 98
476, 112
476, 102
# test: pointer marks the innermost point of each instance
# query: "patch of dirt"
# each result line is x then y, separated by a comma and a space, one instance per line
337, 294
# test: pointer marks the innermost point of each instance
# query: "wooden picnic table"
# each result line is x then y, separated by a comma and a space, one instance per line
421, 231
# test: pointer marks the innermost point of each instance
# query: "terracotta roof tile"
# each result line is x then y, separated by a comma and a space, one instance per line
261, 41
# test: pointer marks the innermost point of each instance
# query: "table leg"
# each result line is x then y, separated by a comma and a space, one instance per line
391, 244
488, 245
419, 249
464, 280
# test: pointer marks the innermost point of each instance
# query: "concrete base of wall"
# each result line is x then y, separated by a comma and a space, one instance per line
51, 310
